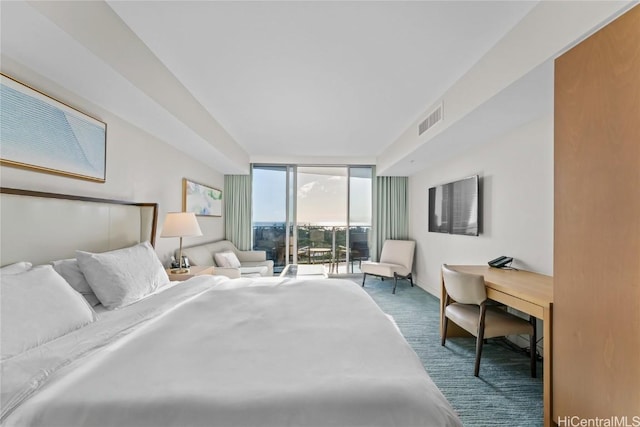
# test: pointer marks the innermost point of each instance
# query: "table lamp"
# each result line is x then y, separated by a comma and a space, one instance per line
180, 224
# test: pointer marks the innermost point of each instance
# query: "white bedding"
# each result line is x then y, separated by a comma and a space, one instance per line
218, 352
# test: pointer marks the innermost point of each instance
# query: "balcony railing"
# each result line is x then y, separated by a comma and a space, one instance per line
316, 245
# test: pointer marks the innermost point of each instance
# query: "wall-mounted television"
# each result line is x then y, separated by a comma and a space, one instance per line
453, 207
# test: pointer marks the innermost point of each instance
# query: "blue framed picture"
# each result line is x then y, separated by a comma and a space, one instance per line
201, 199
40, 133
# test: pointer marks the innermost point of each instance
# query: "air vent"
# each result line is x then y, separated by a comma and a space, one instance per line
434, 117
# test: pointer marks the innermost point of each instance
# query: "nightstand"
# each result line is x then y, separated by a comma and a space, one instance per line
196, 270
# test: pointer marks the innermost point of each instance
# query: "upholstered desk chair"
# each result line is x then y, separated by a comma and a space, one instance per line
466, 305
396, 260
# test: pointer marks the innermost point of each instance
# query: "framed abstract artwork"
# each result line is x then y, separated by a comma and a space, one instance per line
201, 199
43, 134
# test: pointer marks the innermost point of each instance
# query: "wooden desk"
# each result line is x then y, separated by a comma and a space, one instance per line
528, 292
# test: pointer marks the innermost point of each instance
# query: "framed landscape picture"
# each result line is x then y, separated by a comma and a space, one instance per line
43, 134
201, 199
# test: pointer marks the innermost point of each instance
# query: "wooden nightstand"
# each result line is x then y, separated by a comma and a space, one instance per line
195, 270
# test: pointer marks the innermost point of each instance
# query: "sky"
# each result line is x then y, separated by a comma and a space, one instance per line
321, 196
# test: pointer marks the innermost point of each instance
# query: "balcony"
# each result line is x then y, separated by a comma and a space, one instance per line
316, 245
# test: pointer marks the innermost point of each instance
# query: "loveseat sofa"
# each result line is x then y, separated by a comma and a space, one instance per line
252, 263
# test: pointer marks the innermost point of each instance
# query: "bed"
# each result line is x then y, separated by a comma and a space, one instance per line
209, 351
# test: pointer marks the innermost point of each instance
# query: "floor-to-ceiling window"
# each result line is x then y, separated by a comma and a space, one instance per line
269, 211
313, 214
360, 214
321, 213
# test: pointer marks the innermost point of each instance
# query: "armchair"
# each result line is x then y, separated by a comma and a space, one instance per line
396, 260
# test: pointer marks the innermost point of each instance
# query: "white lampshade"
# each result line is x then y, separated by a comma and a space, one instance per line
180, 224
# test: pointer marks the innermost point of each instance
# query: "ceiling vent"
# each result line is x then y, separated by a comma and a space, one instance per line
434, 117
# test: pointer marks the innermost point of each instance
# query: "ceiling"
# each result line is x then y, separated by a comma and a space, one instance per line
238, 82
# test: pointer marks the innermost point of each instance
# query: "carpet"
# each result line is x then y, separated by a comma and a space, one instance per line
503, 395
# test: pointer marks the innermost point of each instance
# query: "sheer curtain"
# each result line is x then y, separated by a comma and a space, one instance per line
237, 210
391, 211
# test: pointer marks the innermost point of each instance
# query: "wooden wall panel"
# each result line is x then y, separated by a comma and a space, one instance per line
596, 330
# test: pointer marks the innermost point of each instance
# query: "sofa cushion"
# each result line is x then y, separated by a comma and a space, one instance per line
198, 255
227, 259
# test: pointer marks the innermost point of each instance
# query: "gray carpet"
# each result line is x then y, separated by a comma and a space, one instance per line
503, 395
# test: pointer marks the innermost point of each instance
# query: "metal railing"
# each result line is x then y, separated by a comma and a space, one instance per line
316, 245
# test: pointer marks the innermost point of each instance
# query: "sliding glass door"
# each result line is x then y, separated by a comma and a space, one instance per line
270, 218
313, 215
360, 215
321, 213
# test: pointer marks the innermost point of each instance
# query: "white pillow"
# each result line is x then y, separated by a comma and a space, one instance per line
18, 267
123, 276
38, 306
69, 269
227, 259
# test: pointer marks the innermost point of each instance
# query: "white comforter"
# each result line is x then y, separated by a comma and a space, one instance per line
218, 352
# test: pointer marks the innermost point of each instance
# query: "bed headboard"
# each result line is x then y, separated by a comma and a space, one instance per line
41, 227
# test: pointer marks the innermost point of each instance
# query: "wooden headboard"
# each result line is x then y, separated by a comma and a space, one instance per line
42, 227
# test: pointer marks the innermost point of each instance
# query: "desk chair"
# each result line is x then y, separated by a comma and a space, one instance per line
466, 305
396, 260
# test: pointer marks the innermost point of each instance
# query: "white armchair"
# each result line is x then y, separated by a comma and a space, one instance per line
396, 260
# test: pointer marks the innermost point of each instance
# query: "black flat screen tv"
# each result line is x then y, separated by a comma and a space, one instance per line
453, 207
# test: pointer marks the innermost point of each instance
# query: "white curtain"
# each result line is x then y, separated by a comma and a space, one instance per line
237, 210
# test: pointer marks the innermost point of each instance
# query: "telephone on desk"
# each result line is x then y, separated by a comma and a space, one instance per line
501, 262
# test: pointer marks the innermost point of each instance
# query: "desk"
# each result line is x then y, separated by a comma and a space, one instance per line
528, 292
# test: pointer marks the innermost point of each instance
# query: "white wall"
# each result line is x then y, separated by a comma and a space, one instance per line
544, 33
140, 167
516, 190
